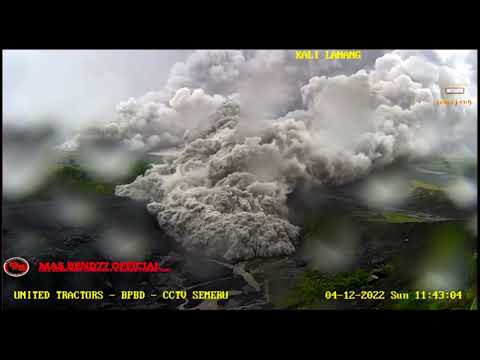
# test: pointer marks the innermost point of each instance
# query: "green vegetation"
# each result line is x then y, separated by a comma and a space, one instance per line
313, 226
449, 243
310, 289
395, 217
74, 178
473, 280
474, 305
326, 226
79, 180
417, 184
388, 269
427, 192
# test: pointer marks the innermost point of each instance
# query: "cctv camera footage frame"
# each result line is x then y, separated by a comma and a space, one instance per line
299, 179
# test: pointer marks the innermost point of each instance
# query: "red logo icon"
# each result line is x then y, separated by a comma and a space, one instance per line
16, 266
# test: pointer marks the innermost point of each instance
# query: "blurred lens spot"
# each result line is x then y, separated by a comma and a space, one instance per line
383, 192
124, 244
446, 267
472, 225
106, 161
434, 279
27, 242
75, 211
331, 246
28, 160
463, 193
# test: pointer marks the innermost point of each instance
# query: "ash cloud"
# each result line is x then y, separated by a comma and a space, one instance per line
146, 124
253, 124
265, 82
71, 89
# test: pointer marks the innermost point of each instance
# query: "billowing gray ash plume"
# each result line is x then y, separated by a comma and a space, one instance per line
225, 194
279, 122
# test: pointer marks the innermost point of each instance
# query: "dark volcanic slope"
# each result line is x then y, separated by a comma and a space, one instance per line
34, 230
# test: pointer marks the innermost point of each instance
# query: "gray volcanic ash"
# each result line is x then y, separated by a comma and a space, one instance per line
225, 193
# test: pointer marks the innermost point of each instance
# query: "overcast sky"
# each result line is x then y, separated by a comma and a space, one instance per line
75, 87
